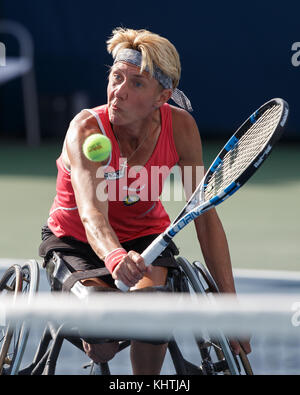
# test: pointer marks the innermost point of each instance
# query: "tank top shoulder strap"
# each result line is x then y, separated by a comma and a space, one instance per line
96, 114
100, 113
167, 130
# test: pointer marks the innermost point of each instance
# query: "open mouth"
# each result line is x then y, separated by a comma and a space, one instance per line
115, 108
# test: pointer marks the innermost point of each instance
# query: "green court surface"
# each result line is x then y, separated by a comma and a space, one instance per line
261, 221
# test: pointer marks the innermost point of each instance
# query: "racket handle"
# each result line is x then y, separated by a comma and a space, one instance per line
122, 287
150, 254
154, 250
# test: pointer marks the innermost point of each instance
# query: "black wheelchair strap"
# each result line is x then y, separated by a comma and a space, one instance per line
54, 246
100, 272
77, 276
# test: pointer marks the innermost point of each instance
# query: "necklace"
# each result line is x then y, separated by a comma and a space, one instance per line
124, 164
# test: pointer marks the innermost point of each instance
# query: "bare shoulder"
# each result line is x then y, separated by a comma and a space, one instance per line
81, 126
186, 136
181, 117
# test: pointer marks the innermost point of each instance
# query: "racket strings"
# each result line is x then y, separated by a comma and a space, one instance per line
236, 161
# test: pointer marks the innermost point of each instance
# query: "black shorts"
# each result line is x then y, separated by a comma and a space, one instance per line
80, 256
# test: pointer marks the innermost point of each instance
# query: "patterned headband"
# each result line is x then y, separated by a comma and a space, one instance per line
135, 57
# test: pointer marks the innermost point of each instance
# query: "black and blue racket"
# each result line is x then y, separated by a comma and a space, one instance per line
242, 155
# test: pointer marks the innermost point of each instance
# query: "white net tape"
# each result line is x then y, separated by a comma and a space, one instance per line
159, 315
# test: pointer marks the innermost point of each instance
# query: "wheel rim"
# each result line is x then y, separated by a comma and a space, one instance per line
27, 278
30, 276
10, 284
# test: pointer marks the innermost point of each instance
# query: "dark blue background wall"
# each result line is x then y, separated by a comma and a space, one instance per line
235, 56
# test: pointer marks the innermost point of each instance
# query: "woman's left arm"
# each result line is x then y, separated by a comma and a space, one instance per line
209, 228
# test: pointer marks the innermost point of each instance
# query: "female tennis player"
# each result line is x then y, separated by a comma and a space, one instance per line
112, 215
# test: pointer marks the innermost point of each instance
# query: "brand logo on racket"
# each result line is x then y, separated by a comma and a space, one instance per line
263, 156
182, 223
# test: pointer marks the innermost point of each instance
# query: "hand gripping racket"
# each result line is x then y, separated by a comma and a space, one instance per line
242, 155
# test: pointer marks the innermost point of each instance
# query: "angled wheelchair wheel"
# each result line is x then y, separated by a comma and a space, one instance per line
17, 279
31, 278
10, 284
211, 287
216, 355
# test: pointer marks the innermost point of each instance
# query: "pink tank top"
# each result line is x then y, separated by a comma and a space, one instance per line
134, 207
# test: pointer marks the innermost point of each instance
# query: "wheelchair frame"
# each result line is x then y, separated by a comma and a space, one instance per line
216, 356
16, 279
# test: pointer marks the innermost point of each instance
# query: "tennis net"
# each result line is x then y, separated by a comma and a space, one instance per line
272, 321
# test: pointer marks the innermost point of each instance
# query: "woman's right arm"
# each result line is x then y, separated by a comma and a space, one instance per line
92, 209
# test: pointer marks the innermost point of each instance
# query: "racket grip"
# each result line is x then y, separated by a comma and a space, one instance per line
154, 250
150, 254
122, 287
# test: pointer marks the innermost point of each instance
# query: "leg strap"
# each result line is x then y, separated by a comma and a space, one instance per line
62, 279
77, 276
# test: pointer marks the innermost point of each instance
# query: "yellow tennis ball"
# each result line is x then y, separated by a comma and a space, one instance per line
97, 147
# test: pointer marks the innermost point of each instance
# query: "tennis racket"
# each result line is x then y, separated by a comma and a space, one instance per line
241, 156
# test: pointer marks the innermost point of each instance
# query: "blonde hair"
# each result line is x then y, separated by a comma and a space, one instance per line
155, 50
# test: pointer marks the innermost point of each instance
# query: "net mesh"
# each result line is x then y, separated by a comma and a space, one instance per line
236, 161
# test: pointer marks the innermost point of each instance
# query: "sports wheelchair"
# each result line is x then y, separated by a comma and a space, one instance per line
215, 355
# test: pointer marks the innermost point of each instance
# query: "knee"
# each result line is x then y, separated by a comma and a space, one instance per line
151, 342
156, 277
102, 352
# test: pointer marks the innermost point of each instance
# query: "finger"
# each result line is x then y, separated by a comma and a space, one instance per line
236, 350
246, 347
235, 345
122, 273
134, 267
129, 269
149, 270
134, 274
138, 260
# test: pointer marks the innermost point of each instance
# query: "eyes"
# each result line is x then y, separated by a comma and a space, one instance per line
135, 82
116, 77
138, 84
